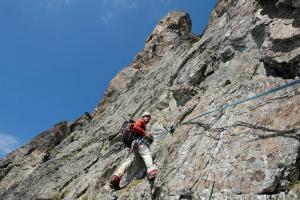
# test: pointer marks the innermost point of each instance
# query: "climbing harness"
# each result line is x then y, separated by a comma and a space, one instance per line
237, 102
142, 141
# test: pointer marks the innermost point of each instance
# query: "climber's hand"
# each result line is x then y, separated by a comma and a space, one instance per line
150, 137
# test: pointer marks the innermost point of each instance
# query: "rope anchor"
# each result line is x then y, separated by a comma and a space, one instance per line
225, 106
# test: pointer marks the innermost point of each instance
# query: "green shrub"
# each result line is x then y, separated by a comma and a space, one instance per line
57, 196
296, 187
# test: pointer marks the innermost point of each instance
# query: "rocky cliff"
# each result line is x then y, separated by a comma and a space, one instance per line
250, 151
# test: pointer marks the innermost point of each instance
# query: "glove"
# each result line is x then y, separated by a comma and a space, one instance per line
150, 138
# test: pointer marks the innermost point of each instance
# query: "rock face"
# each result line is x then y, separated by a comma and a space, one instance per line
250, 151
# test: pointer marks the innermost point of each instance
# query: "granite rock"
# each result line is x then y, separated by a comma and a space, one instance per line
250, 151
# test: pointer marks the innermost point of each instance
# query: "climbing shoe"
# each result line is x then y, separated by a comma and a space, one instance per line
115, 182
152, 174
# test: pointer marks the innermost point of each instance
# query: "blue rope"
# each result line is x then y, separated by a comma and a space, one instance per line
273, 90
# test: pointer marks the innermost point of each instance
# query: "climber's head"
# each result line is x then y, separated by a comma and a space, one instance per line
146, 117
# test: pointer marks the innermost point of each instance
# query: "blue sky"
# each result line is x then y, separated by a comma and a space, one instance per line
58, 56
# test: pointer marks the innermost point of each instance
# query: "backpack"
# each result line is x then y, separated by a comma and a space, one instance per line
127, 132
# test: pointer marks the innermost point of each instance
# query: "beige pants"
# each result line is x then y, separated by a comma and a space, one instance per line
142, 151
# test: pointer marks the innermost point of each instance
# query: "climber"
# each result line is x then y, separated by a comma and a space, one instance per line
140, 148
